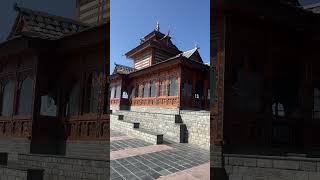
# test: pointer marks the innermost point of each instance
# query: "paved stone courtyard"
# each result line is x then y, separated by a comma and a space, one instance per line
134, 159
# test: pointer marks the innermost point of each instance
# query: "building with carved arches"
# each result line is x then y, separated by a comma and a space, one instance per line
53, 97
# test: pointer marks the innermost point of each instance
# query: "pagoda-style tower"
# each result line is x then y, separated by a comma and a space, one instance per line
154, 48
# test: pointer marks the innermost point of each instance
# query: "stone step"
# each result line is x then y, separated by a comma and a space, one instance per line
171, 127
17, 170
133, 129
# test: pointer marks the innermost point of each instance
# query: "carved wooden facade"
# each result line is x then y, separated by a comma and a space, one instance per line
15, 69
166, 78
53, 91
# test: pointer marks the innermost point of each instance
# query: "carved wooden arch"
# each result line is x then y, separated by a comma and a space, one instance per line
22, 76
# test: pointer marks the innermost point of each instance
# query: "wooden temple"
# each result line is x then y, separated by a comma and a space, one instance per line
162, 76
53, 83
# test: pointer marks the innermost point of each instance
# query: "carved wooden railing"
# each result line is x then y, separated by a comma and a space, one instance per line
87, 127
156, 101
16, 127
115, 101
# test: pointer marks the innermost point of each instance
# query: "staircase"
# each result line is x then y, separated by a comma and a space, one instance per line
170, 126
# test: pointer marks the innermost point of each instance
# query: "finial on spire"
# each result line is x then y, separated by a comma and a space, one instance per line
196, 45
168, 33
157, 26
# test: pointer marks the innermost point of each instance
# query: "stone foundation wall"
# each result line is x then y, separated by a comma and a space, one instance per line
195, 123
91, 149
198, 127
127, 128
155, 122
114, 108
249, 167
67, 168
13, 146
12, 174
155, 110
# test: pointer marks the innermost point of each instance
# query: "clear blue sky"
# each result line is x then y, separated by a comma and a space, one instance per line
189, 22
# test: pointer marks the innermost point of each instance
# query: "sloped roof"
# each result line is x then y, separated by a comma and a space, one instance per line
121, 69
189, 54
186, 56
42, 25
157, 39
315, 8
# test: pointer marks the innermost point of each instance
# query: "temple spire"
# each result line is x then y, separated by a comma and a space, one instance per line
157, 27
168, 33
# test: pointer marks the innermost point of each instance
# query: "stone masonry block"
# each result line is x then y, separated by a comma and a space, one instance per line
308, 166
265, 163
286, 164
236, 161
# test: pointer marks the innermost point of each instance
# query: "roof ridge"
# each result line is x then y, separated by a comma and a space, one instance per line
123, 65
313, 5
48, 15
193, 49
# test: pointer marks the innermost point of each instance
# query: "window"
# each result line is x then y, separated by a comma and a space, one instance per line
140, 90
145, 90
48, 106
162, 88
91, 99
173, 87
278, 109
124, 95
25, 97
7, 99
118, 91
316, 103
153, 88
133, 93
73, 101
112, 92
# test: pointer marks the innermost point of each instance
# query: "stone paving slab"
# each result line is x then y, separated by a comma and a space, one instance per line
195, 173
119, 138
159, 162
115, 133
137, 151
128, 143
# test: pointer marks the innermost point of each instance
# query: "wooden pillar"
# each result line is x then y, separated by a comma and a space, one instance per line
266, 125
179, 88
307, 84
